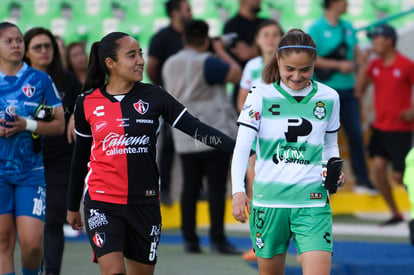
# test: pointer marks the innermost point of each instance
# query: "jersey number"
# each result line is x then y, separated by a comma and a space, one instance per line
153, 251
37, 207
258, 219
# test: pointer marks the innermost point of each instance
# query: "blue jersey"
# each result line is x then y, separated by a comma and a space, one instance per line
24, 92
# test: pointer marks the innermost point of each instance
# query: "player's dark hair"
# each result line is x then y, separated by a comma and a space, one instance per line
55, 68
295, 40
327, 3
5, 25
195, 32
100, 50
172, 5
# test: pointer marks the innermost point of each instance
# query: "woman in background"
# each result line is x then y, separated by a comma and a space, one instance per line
77, 60
42, 53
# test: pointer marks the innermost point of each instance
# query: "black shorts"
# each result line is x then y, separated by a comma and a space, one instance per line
393, 146
134, 230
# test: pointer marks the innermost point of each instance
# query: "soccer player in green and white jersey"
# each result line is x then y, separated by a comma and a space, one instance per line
295, 121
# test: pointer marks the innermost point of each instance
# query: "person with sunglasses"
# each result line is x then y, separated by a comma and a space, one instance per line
42, 53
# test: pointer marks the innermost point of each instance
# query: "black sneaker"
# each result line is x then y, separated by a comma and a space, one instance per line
394, 220
411, 227
224, 248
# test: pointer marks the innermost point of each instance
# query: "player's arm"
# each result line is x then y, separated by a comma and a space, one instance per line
244, 141
241, 98
362, 79
204, 133
54, 126
244, 51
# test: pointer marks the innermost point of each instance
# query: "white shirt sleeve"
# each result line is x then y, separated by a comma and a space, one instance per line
330, 147
244, 141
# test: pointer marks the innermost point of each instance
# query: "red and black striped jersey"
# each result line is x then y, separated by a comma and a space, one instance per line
122, 167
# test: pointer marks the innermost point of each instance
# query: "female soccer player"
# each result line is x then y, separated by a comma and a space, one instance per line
22, 181
117, 122
295, 122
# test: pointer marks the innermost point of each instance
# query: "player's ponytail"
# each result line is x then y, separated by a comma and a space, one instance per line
97, 71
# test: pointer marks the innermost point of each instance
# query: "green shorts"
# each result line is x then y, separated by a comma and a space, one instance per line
272, 228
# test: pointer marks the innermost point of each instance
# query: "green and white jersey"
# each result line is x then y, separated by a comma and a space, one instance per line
290, 141
252, 73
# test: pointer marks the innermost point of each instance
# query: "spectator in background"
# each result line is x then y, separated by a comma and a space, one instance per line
335, 66
266, 40
42, 53
62, 49
23, 90
163, 44
77, 60
244, 24
197, 78
392, 76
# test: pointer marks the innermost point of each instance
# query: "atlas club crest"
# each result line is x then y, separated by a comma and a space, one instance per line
28, 90
141, 106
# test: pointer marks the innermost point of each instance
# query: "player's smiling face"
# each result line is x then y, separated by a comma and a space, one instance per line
130, 62
296, 69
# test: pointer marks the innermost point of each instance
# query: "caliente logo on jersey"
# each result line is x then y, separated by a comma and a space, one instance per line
141, 106
28, 90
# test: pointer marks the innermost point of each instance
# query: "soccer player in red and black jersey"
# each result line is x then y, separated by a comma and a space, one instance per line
117, 122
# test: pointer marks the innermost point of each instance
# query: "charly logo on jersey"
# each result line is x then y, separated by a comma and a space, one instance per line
99, 111
96, 219
141, 106
28, 90
319, 111
99, 239
116, 144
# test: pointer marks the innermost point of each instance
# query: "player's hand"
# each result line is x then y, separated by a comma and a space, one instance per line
407, 115
346, 66
240, 203
16, 126
75, 220
341, 180
70, 130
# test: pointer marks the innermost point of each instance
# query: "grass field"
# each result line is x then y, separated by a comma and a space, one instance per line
360, 248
